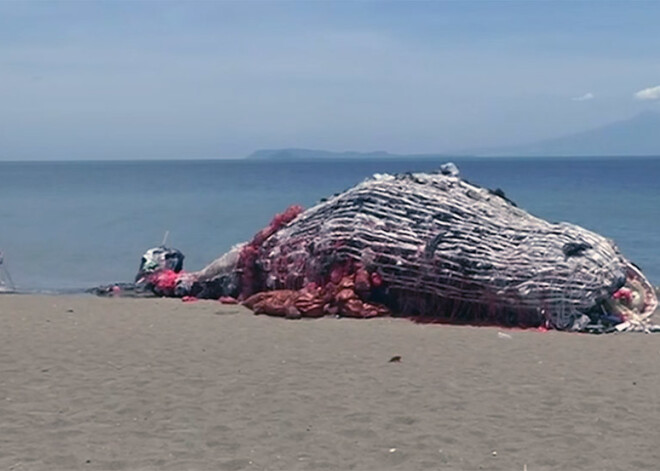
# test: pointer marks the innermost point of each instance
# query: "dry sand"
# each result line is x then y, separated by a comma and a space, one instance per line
89, 383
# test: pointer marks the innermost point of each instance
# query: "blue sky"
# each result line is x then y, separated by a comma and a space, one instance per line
163, 80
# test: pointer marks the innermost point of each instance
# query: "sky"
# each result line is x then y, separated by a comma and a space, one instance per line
213, 79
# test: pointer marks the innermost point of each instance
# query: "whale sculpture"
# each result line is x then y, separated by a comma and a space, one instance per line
431, 246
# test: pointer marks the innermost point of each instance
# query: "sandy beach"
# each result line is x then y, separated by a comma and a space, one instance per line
157, 384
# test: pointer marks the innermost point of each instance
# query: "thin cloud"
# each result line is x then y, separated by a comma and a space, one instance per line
587, 96
651, 93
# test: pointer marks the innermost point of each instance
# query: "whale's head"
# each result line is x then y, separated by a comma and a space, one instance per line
157, 259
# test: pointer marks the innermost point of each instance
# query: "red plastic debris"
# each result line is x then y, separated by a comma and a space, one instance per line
341, 298
362, 280
250, 252
164, 281
228, 300
336, 275
623, 293
376, 280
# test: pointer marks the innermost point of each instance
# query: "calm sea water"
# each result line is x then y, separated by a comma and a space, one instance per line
72, 225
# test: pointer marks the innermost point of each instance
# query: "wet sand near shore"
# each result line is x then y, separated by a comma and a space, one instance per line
157, 384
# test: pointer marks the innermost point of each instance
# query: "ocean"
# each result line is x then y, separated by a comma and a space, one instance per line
67, 226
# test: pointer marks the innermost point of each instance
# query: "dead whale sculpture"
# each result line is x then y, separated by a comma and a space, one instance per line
431, 246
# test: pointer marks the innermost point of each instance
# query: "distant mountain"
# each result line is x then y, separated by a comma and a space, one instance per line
637, 136
309, 154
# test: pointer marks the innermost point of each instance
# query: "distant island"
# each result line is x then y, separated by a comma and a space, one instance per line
311, 154
637, 136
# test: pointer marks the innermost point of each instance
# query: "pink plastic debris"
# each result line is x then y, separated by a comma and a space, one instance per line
228, 300
623, 293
